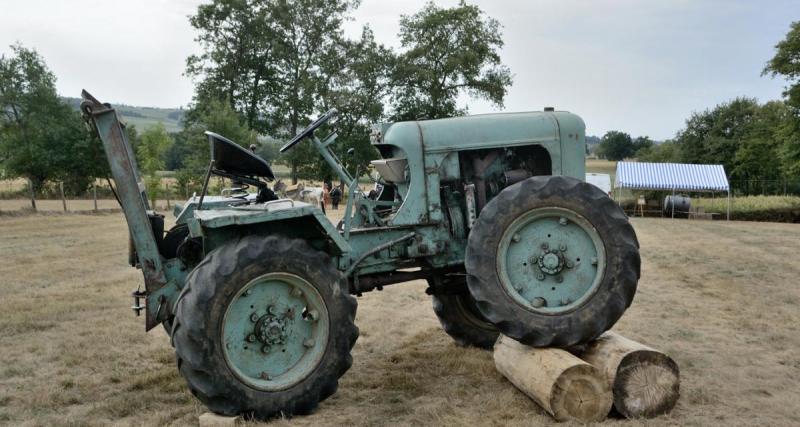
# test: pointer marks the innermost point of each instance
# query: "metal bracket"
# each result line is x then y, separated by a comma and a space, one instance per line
139, 295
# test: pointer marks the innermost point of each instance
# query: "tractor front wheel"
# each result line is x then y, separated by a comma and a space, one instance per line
552, 261
265, 328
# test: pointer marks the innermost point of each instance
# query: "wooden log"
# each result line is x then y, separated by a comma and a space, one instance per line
566, 387
210, 419
63, 198
645, 382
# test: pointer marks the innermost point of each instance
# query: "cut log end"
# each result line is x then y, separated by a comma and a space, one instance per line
645, 382
563, 385
581, 394
647, 385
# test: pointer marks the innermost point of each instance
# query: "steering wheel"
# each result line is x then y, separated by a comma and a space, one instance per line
309, 130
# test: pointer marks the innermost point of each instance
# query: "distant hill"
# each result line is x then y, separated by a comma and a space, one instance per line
144, 117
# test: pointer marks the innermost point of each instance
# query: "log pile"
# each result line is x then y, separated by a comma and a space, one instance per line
639, 381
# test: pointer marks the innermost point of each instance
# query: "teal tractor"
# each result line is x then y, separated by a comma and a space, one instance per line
257, 292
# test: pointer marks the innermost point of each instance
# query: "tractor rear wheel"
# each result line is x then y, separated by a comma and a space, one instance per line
460, 318
265, 328
552, 261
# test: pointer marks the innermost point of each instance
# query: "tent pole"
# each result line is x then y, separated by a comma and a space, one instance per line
729, 204
673, 202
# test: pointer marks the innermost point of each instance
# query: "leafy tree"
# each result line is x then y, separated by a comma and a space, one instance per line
757, 154
358, 92
616, 145
714, 136
238, 60
447, 52
666, 152
41, 137
269, 59
150, 152
641, 143
786, 63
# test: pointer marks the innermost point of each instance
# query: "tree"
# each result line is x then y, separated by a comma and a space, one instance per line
616, 145
447, 52
641, 143
786, 63
714, 136
150, 152
41, 137
358, 92
269, 59
666, 152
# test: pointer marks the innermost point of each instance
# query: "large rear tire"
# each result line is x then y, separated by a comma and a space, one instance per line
264, 328
552, 261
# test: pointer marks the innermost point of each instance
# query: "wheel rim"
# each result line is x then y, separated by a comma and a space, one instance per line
550, 260
275, 331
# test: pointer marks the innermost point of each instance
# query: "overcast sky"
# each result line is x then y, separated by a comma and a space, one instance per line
636, 66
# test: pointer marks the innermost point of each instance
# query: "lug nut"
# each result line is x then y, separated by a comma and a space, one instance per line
254, 317
559, 279
515, 238
570, 264
545, 246
538, 302
248, 292
265, 349
251, 338
272, 309
540, 276
563, 247
562, 221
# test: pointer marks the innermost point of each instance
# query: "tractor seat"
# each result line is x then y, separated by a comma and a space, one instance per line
231, 158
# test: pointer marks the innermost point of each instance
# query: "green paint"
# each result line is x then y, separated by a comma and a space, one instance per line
550, 260
275, 331
434, 152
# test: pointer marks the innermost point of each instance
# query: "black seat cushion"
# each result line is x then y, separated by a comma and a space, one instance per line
231, 158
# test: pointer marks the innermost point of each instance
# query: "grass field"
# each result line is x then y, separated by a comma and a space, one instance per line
721, 298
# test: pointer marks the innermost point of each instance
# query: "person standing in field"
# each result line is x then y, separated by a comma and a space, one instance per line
336, 196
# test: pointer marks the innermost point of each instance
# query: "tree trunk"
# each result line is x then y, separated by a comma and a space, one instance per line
644, 381
563, 385
32, 193
94, 195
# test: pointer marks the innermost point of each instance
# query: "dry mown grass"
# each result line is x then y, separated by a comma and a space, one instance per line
721, 298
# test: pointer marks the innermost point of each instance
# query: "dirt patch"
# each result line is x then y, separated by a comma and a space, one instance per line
720, 298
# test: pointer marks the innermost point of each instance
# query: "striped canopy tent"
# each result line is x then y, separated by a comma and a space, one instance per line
672, 177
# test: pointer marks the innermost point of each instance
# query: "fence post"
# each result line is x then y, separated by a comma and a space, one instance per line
33, 195
166, 192
63, 199
94, 194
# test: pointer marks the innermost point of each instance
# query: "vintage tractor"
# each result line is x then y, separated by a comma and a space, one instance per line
257, 292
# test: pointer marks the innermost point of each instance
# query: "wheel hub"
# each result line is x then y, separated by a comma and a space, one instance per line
272, 330
550, 260
268, 344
